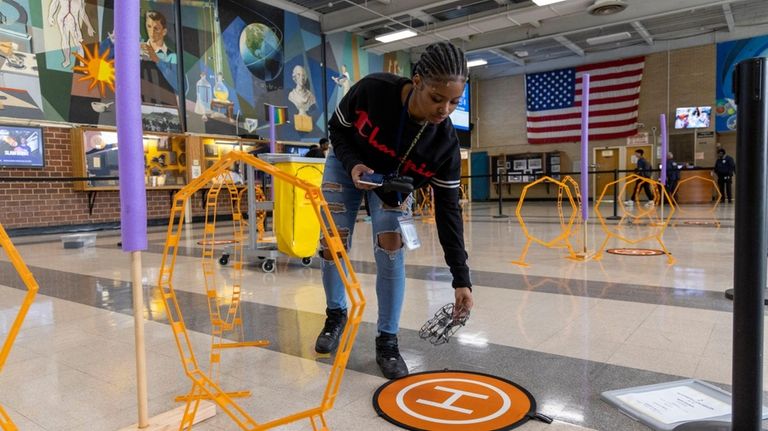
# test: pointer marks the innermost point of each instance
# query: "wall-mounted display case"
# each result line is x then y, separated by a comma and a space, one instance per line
95, 155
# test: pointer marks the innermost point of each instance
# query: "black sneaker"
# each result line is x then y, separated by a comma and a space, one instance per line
328, 340
388, 357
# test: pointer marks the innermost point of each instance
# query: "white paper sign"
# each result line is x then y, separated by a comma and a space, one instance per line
196, 171
672, 405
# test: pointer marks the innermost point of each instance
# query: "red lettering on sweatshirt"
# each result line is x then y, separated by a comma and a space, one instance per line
409, 166
367, 130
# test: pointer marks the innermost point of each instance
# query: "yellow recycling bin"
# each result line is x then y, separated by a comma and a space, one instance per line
295, 223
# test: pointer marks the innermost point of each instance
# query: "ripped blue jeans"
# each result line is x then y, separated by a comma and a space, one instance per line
344, 201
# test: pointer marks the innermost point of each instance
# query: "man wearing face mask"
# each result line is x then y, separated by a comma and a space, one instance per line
397, 127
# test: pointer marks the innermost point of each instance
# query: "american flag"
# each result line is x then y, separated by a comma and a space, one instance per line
554, 102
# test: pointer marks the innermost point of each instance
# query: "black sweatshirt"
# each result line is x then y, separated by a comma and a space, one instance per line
364, 130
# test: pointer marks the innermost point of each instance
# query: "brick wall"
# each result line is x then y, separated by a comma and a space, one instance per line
45, 204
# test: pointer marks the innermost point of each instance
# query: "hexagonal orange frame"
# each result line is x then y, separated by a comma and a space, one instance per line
32, 287
203, 386
634, 180
566, 227
711, 211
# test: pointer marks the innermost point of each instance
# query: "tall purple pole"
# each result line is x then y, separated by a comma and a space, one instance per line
585, 146
663, 121
133, 200
272, 138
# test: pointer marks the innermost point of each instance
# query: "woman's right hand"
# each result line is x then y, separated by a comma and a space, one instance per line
358, 172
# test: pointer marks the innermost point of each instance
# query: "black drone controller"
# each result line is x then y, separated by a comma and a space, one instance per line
398, 183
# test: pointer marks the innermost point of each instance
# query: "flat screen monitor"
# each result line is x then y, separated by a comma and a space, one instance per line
460, 117
21, 147
693, 117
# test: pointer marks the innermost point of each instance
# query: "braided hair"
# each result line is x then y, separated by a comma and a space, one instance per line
442, 61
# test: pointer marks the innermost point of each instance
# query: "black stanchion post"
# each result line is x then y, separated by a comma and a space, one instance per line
501, 213
750, 245
615, 215
749, 268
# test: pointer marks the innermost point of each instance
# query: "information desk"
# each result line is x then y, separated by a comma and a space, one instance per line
695, 191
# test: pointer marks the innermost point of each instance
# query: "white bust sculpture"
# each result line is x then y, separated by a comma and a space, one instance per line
301, 96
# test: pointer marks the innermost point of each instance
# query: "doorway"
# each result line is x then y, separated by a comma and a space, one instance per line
606, 159
479, 168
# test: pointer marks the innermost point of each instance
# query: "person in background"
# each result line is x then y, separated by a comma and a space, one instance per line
673, 174
725, 169
319, 151
643, 169
395, 126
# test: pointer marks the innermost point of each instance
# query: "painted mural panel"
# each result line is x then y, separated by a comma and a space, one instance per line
57, 62
20, 93
347, 62
729, 54
241, 57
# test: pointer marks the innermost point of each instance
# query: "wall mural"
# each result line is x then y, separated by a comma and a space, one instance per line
20, 92
347, 62
242, 58
57, 63
729, 54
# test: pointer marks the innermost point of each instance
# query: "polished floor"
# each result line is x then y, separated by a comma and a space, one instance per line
565, 330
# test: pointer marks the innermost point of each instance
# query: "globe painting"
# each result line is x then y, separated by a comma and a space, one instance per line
261, 50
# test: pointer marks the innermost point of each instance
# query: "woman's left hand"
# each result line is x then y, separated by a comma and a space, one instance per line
464, 301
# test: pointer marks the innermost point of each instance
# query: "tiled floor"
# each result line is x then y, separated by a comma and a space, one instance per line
565, 330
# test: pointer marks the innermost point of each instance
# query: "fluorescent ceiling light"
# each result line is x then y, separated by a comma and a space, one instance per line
608, 38
546, 2
478, 62
398, 35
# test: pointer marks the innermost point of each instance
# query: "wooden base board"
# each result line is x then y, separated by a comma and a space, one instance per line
170, 420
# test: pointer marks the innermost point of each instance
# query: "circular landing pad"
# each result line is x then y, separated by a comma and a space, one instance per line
454, 401
635, 251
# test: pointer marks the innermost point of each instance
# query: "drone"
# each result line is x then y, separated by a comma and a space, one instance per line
439, 329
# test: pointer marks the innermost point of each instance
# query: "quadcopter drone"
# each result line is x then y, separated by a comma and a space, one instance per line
439, 328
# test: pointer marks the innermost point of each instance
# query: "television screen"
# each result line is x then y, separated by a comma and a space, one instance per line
21, 147
460, 117
693, 117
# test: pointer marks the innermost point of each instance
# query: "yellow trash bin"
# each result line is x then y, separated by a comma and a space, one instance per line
295, 224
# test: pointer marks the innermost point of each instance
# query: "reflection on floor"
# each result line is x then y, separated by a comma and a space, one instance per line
564, 330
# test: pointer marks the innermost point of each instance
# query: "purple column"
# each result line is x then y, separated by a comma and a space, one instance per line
272, 139
133, 200
585, 146
663, 121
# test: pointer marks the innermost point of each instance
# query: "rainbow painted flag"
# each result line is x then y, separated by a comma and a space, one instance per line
281, 113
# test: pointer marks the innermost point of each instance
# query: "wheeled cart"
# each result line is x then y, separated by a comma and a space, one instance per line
294, 222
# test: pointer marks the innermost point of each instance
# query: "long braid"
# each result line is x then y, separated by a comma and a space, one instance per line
442, 61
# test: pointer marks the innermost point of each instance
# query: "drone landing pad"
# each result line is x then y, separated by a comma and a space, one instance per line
455, 401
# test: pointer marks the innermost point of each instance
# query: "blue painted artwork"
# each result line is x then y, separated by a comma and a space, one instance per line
729, 54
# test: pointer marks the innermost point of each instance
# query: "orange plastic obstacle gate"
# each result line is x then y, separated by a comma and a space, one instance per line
697, 214
647, 220
224, 303
203, 385
29, 281
454, 401
563, 238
